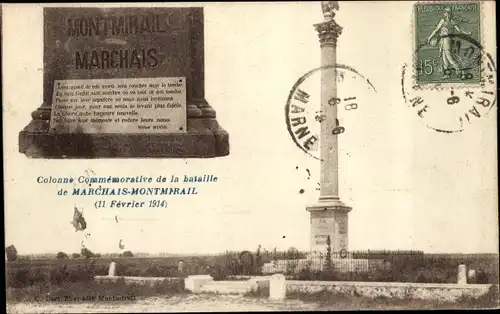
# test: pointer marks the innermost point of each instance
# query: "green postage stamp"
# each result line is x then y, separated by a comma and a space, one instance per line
447, 43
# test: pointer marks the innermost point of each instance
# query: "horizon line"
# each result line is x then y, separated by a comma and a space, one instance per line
251, 251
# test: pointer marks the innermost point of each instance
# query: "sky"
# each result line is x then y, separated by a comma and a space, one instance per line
410, 187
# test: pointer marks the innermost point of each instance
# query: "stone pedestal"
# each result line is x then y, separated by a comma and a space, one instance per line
329, 219
204, 139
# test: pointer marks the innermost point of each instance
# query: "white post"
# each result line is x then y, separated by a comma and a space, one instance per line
462, 274
112, 269
277, 287
471, 276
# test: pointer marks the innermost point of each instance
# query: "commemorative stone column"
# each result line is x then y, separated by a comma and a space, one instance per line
329, 214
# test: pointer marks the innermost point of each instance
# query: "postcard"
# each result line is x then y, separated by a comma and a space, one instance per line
257, 156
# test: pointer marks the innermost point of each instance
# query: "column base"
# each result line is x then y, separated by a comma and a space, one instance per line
329, 203
329, 219
204, 138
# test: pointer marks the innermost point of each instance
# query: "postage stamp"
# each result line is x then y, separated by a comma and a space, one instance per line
447, 36
452, 82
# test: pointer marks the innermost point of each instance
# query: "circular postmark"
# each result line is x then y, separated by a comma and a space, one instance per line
453, 85
304, 115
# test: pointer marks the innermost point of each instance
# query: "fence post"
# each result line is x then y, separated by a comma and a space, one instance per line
472, 276
462, 274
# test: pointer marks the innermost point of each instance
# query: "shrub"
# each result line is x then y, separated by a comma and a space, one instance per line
58, 275
481, 277
86, 253
258, 262
154, 270
128, 254
11, 253
233, 267
75, 255
328, 259
292, 253
488, 300
61, 255
260, 292
219, 273
291, 265
246, 262
17, 278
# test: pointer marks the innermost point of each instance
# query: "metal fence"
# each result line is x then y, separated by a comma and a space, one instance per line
369, 265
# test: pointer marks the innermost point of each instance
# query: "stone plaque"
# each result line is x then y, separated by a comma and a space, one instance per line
343, 227
151, 105
122, 51
322, 228
342, 244
320, 238
342, 222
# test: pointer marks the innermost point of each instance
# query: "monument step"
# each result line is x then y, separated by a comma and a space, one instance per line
203, 139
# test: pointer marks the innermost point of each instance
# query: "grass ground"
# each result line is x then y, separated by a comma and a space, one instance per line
88, 290
326, 300
229, 303
184, 303
30, 281
436, 268
172, 297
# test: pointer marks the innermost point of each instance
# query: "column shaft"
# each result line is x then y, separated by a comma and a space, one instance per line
329, 142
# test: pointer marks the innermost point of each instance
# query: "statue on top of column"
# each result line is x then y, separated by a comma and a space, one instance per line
329, 8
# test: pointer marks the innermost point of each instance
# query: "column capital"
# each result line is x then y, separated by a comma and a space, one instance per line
328, 32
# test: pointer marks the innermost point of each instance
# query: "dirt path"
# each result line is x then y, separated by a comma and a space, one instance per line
190, 303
